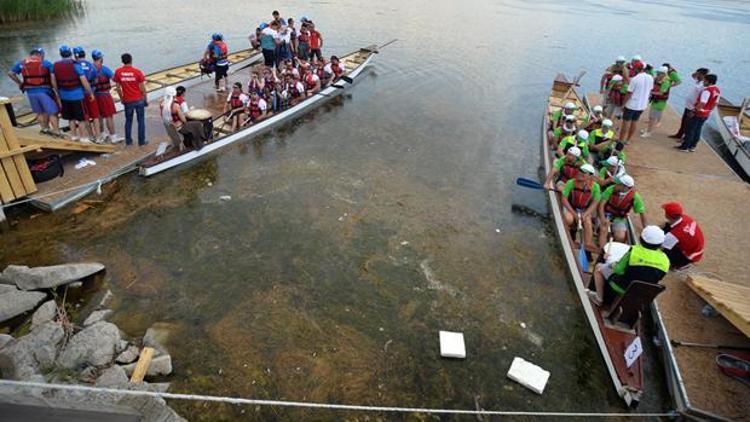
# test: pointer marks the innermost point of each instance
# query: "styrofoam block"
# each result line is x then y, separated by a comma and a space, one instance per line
529, 375
452, 345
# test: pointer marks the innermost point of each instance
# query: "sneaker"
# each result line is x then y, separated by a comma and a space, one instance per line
645, 134
87, 140
74, 138
45, 132
691, 150
680, 148
594, 298
115, 139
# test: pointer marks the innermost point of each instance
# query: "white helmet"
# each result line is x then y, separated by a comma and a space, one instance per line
598, 109
613, 161
627, 180
636, 58
588, 168
652, 235
620, 59
574, 151
583, 134
607, 123
616, 78
663, 69
570, 105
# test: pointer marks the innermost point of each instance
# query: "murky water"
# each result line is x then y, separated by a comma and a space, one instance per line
356, 233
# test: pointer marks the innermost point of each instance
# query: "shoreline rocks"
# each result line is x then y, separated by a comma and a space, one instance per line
16, 302
49, 277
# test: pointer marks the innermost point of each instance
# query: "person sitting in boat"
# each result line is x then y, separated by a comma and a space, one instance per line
595, 119
333, 70
611, 171
174, 117
557, 118
617, 202
564, 169
256, 109
580, 197
234, 108
256, 82
568, 128
601, 139
312, 81
180, 99
581, 140
294, 90
644, 262
684, 240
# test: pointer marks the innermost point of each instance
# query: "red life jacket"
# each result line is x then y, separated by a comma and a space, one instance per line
321, 72
179, 100
615, 95
292, 90
253, 85
338, 69
254, 108
690, 238
235, 101
270, 83
310, 81
175, 114
569, 171
66, 75
620, 206
581, 195
713, 99
34, 73
657, 95
102, 84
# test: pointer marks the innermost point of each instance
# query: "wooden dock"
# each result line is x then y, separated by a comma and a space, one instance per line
731, 300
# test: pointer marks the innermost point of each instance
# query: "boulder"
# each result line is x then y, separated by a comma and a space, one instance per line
16, 302
7, 288
112, 377
94, 345
129, 355
160, 365
157, 336
154, 387
46, 312
24, 357
96, 316
152, 408
48, 277
5, 340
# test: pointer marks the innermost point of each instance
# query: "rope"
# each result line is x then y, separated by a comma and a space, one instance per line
314, 405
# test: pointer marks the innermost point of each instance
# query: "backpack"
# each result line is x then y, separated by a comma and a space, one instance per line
47, 168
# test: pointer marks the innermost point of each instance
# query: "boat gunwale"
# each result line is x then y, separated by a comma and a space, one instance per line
726, 133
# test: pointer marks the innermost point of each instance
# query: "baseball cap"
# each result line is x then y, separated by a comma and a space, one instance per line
652, 235
673, 209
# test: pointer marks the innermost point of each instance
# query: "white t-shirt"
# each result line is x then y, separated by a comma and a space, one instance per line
300, 88
286, 35
640, 86
692, 96
184, 107
243, 97
328, 69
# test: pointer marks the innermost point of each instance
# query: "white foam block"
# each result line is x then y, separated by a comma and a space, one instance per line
529, 375
452, 345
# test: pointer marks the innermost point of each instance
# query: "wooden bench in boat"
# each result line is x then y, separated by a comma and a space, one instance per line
626, 311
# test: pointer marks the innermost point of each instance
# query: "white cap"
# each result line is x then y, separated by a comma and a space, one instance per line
570, 105
568, 129
613, 161
636, 58
588, 168
574, 151
607, 123
652, 235
616, 78
663, 69
620, 59
598, 108
583, 134
627, 180
570, 117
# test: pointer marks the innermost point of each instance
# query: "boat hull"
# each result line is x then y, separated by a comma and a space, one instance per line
740, 154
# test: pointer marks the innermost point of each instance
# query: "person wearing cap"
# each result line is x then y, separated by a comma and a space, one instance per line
581, 140
618, 200
618, 68
600, 139
564, 169
636, 100
132, 91
105, 104
616, 92
695, 91
90, 106
235, 105
580, 197
704, 105
568, 128
610, 172
73, 87
594, 119
672, 74
558, 117
217, 53
658, 100
635, 66
37, 84
684, 241
642, 262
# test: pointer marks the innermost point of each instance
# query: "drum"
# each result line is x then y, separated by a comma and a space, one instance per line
203, 116
615, 251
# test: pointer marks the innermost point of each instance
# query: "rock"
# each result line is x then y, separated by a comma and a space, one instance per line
121, 346
96, 316
94, 345
129, 355
160, 365
89, 374
151, 408
154, 387
76, 284
47, 277
112, 377
157, 336
17, 302
46, 312
7, 288
5, 340
28, 354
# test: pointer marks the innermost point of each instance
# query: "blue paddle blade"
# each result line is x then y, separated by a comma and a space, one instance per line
528, 183
583, 259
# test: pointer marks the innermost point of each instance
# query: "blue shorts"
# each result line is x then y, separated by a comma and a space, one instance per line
42, 102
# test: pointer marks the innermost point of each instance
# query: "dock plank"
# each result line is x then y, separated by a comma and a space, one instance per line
31, 137
731, 300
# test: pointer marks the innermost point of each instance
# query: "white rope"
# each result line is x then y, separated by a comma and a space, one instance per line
314, 405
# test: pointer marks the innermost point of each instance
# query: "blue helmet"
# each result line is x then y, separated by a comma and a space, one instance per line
96, 55
79, 52
216, 36
65, 51
263, 26
38, 50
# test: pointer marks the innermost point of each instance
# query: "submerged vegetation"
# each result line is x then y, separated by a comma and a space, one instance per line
28, 10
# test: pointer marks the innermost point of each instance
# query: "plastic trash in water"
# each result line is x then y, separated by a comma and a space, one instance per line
709, 311
225, 198
529, 375
452, 345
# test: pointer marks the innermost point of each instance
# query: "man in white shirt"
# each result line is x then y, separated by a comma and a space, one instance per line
636, 100
692, 97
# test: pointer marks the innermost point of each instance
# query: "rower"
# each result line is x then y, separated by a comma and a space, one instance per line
217, 53
611, 171
617, 202
312, 81
601, 139
564, 169
334, 70
72, 87
580, 197
566, 129
37, 83
684, 240
234, 108
256, 109
103, 93
294, 91
594, 120
558, 116
644, 262
90, 106
581, 140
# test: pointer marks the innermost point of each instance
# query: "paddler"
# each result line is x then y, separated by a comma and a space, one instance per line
617, 202
568, 128
564, 169
658, 100
643, 262
558, 116
217, 52
334, 70
172, 113
684, 241
73, 87
580, 197
601, 139
90, 106
256, 109
294, 90
595, 118
611, 171
179, 99
103, 93
38, 84
312, 81
234, 108
581, 140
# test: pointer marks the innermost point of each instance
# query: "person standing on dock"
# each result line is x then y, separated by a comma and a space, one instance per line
704, 105
38, 84
316, 42
90, 106
103, 93
658, 101
73, 87
684, 241
132, 91
695, 91
217, 52
636, 100
269, 39
303, 41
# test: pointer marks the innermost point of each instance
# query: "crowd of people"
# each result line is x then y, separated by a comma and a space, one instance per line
596, 189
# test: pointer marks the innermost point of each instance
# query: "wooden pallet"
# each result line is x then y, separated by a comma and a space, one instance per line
15, 177
731, 300
32, 137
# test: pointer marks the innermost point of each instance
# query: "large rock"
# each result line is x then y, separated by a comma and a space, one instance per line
95, 345
16, 302
152, 408
160, 365
96, 316
47, 277
46, 312
31, 353
6, 339
112, 377
129, 355
157, 336
7, 288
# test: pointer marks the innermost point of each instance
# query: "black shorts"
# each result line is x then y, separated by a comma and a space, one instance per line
631, 115
269, 57
73, 110
676, 258
221, 71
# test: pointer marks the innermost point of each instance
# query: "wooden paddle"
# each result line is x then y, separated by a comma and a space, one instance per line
706, 345
743, 107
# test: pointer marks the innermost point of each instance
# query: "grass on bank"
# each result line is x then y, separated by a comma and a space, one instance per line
29, 10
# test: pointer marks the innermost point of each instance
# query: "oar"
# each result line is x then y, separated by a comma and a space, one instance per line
388, 43
582, 258
706, 345
532, 184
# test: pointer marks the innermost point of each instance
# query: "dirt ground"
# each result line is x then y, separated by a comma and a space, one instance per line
715, 196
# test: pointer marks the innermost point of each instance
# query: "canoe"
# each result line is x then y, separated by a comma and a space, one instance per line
727, 120
354, 63
186, 75
611, 340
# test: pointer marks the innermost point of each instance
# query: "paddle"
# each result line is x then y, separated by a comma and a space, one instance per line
582, 258
706, 345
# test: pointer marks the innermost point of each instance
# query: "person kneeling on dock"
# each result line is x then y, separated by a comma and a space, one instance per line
175, 120
580, 197
684, 242
564, 169
617, 202
645, 262
37, 83
234, 108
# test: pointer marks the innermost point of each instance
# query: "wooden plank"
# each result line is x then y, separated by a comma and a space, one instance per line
10, 171
19, 151
6, 192
29, 136
142, 366
731, 300
20, 161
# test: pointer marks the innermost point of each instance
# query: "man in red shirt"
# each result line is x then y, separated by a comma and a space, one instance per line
316, 42
684, 242
132, 90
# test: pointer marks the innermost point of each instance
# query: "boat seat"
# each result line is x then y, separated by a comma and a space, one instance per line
627, 309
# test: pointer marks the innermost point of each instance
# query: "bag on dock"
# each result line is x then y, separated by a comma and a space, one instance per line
207, 66
47, 168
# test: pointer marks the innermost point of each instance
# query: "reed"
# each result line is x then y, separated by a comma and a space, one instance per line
30, 10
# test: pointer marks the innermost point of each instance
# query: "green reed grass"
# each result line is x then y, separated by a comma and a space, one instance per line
28, 10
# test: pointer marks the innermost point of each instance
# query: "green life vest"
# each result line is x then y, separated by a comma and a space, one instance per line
643, 257
649, 265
